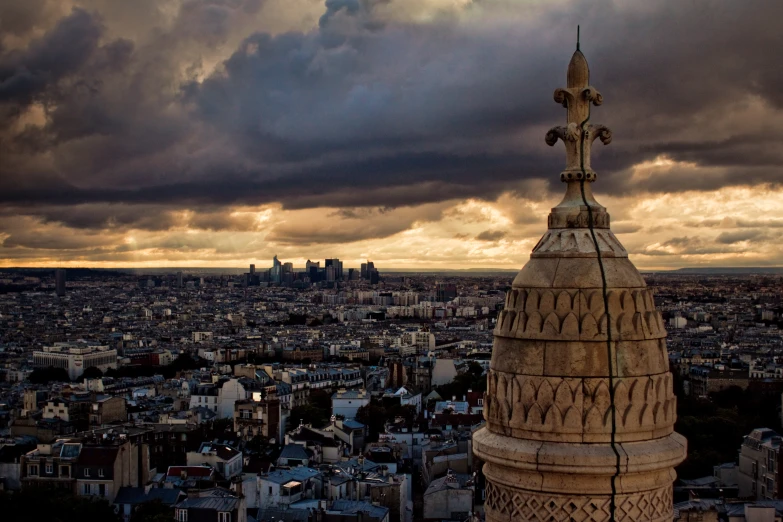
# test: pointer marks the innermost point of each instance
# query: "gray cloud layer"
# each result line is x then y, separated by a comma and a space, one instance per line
368, 110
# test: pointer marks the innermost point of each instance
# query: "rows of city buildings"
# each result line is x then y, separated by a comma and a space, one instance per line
129, 421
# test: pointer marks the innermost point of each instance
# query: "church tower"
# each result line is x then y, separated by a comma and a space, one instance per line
579, 407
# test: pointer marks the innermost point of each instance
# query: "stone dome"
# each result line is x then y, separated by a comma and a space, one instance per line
579, 405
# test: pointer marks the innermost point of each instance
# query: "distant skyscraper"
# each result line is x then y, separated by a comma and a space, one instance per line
288, 268
338, 268
364, 271
276, 273
252, 269
179, 279
59, 281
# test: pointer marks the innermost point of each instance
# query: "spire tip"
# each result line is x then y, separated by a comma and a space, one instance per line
577, 37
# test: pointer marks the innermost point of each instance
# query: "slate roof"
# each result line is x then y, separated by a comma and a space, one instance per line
294, 451
283, 515
306, 434
98, 456
357, 506
192, 471
129, 495
224, 451
281, 476
212, 503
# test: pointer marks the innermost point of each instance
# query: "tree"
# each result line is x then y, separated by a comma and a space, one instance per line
321, 399
715, 427
373, 416
308, 414
47, 375
92, 372
34, 504
153, 511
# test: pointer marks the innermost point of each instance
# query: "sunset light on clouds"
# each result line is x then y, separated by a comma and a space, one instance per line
218, 133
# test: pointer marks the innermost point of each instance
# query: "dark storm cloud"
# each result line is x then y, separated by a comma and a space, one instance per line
62, 51
692, 246
491, 235
729, 238
367, 111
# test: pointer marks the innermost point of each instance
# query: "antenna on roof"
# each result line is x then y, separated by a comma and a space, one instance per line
577, 37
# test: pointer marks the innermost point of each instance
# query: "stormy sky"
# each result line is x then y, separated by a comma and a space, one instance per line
410, 132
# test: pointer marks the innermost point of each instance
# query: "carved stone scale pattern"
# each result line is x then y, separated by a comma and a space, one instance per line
646, 506
575, 242
559, 406
573, 314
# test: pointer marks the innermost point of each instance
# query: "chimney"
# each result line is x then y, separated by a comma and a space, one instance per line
238, 488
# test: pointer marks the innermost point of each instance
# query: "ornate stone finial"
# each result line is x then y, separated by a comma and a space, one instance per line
578, 136
576, 97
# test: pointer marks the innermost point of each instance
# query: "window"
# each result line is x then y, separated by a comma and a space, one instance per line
86, 472
481, 402
85, 489
102, 490
33, 471
100, 472
65, 471
270, 490
182, 515
224, 517
49, 469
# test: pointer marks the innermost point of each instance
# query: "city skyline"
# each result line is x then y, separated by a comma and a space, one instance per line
216, 133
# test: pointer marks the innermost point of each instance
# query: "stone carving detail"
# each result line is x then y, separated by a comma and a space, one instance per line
645, 506
579, 405
578, 150
572, 96
580, 220
570, 241
579, 315
572, 132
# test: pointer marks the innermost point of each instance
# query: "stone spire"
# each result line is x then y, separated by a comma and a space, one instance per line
579, 406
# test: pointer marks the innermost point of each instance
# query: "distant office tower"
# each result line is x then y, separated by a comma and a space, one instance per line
288, 268
252, 269
364, 270
312, 264
338, 268
446, 292
59, 281
179, 279
276, 273
330, 273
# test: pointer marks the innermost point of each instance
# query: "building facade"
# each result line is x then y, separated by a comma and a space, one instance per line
759, 469
75, 358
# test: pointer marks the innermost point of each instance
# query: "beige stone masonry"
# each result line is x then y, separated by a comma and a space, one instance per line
563, 431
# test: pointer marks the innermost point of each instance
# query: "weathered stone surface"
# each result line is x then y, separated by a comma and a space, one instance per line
579, 396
